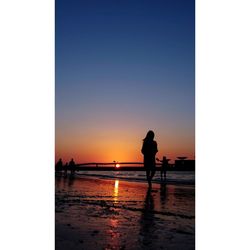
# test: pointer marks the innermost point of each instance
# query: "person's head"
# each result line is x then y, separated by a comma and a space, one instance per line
150, 136
164, 158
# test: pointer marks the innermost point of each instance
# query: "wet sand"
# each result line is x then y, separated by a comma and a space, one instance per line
93, 213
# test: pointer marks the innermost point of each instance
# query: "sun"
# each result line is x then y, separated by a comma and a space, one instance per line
117, 165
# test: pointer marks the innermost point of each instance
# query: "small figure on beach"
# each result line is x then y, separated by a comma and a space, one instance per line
149, 150
164, 166
59, 165
72, 166
66, 169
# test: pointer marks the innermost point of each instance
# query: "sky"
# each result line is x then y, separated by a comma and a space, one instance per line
123, 68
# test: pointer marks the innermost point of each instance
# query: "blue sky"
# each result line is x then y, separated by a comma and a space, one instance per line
127, 66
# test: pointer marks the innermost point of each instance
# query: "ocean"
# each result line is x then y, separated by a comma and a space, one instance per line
175, 177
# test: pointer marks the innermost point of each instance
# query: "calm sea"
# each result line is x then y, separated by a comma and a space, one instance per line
181, 177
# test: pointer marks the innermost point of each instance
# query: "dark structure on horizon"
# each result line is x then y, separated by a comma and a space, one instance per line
179, 165
183, 164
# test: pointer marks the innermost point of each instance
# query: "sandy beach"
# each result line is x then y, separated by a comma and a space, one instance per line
95, 213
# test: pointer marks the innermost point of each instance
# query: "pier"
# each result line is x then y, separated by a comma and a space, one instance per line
125, 166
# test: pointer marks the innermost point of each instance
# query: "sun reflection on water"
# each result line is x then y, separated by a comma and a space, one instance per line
116, 189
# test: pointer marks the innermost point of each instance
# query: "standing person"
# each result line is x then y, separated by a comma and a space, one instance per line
72, 166
59, 165
66, 169
149, 150
163, 166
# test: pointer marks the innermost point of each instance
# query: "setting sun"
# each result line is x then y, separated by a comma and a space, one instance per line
117, 165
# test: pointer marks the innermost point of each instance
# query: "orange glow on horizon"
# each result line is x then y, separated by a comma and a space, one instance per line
110, 143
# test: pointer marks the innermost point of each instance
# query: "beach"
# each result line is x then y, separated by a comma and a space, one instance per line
102, 213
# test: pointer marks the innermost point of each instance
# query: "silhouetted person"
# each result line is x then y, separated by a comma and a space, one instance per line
149, 150
59, 165
163, 166
66, 169
72, 166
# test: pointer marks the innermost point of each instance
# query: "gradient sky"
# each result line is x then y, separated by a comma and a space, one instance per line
122, 68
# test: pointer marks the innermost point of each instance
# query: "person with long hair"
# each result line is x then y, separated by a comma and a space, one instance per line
149, 150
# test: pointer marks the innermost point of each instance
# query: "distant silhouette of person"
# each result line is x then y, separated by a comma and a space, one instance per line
66, 169
59, 165
72, 166
149, 150
163, 166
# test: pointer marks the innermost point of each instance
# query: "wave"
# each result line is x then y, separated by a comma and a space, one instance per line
138, 178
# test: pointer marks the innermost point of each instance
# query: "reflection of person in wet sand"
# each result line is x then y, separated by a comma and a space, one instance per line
163, 194
149, 150
147, 220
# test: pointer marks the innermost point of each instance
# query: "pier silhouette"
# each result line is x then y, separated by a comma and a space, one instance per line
127, 166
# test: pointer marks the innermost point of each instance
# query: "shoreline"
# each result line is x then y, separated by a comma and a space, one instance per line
174, 182
130, 179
